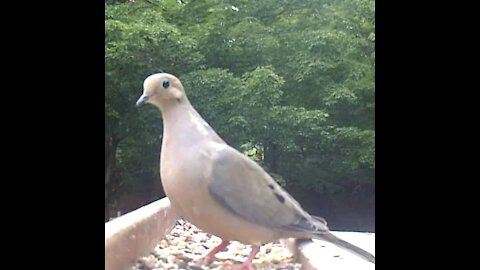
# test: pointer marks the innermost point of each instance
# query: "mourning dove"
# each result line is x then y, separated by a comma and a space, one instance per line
217, 188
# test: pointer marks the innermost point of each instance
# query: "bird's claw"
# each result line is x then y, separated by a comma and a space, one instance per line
205, 260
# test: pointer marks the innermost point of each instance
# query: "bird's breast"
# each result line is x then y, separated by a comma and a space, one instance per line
182, 178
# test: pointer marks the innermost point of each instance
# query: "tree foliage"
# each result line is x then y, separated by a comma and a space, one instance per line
290, 83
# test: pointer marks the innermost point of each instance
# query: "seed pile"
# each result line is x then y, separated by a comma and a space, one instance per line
186, 243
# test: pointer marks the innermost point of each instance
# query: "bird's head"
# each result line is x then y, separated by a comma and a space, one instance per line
160, 90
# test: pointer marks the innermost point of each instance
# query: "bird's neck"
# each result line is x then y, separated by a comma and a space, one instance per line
182, 125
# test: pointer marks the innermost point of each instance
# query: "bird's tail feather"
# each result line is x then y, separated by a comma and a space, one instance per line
346, 245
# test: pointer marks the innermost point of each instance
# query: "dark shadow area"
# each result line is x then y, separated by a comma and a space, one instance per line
342, 212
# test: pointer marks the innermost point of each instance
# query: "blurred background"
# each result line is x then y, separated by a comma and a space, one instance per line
290, 83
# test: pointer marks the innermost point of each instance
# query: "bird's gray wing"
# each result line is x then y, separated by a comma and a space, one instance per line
246, 190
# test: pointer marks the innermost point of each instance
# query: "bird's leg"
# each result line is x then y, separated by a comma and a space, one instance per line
211, 255
248, 264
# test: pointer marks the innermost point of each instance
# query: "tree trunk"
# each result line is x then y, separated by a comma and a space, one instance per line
271, 156
111, 144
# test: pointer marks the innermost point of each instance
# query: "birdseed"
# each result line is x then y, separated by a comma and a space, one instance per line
186, 243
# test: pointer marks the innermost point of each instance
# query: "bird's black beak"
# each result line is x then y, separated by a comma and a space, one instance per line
142, 100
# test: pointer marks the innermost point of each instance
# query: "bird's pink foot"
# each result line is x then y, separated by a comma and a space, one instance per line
248, 264
205, 260
211, 255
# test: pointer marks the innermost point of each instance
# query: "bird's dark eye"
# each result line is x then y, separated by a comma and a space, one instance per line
165, 84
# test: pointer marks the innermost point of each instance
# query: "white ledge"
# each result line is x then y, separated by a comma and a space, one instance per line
136, 234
